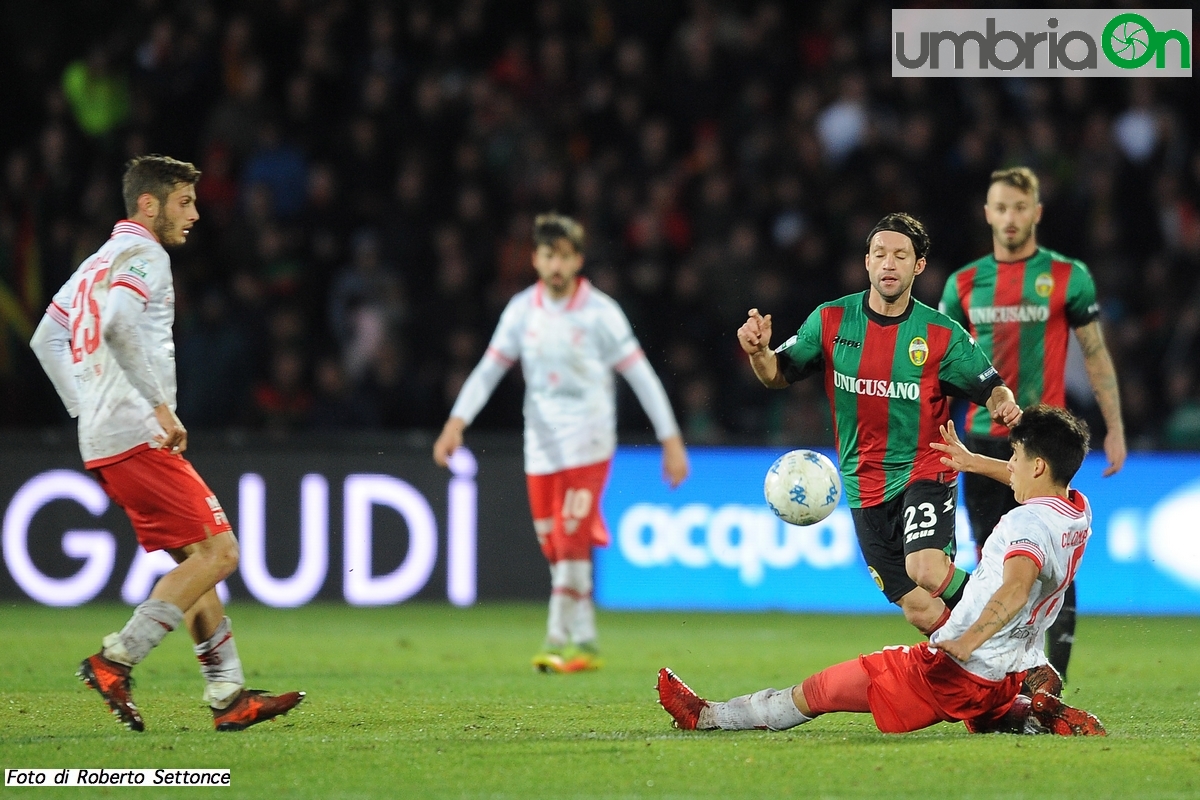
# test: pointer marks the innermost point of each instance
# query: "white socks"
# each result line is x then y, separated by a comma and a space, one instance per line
150, 623
220, 666
582, 626
561, 606
768, 709
572, 613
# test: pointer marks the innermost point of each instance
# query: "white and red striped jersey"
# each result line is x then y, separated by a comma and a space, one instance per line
115, 418
1051, 531
568, 352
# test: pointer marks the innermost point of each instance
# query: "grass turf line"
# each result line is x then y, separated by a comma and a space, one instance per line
432, 701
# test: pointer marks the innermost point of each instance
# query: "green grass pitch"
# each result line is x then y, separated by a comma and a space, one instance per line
432, 701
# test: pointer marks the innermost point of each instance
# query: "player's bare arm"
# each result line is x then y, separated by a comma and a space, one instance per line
1103, 377
1002, 405
174, 435
1020, 574
755, 338
958, 457
449, 440
675, 461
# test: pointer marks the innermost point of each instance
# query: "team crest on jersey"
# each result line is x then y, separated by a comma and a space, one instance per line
875, 576
1044, 284
918, 351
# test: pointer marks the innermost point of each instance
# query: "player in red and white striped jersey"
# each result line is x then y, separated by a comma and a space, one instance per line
973, 666
570, 338
106, 344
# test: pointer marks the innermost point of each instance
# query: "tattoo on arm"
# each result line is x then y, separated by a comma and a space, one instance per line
1091, 339
993, 617
1101, 372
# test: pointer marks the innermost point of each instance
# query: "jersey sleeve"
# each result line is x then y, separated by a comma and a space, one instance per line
51, 343
618, 347
1024, 534
951, 302
59, 309
503, 351
144, 271
505, 345
139, 274
1081, 305
802, 355
965, 370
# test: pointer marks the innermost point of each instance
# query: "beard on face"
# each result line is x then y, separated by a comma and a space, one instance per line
167, 232
1019, 239
901, 288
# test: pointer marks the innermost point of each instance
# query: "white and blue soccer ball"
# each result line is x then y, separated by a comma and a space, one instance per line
802, 487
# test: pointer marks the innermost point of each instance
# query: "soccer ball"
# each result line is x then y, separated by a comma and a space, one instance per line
802, 487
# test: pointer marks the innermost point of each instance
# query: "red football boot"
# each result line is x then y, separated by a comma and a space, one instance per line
253, 706
113, 683
1064, 720
679, 700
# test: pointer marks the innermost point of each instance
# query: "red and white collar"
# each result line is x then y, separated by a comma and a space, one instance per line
1071, 507
136, 228
578, 298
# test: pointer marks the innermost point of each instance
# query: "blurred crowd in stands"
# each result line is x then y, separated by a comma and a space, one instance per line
372, 169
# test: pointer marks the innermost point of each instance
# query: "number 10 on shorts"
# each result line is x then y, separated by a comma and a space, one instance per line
577, 505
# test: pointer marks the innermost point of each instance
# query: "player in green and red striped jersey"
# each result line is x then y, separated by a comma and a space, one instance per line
890, 365
1020, 302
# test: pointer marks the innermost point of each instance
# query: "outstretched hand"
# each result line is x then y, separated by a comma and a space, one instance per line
957, 456
755, 334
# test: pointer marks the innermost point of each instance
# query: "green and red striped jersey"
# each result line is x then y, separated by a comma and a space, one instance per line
889, 382
1021, 313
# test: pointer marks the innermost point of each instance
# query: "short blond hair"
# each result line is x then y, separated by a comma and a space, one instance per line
550, 228
1020, 178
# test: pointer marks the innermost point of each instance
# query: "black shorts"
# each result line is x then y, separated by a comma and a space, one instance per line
987, 500
920, 518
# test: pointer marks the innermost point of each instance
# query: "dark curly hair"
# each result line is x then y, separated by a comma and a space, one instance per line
1054, 435
906, 224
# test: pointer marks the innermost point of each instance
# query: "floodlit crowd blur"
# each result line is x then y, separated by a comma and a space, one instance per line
372, 170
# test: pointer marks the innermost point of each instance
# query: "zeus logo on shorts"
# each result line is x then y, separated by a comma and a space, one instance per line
918, 534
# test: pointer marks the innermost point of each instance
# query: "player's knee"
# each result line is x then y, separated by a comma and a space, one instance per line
224, 555
575, 575
920, 618
922, 611
579, 576
928, 569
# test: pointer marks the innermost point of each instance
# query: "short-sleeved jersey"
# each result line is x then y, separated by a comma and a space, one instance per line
1051, 531
114, 418
568, 357
1021, 313
889, 381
